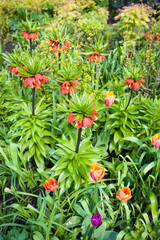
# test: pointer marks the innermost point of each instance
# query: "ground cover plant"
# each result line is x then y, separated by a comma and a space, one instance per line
79, 122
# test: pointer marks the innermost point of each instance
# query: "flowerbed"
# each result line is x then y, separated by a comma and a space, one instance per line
80, 127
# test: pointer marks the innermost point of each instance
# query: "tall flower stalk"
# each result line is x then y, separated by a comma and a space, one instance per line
30, 44
21, 88
59, 60
82, 114
95, 76
133, 81
30, 30
33, 101
95, 58
79, 139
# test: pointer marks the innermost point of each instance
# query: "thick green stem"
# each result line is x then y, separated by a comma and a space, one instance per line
95, 194
157, 166
33, 101
95, 76
78, 140
54, 111
59, 59
30, 43
21, 88
129, 99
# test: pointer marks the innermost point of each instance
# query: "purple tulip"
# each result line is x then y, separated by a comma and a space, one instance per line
96, 219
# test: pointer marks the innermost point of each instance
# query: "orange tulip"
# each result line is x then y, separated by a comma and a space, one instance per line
97, 172
109, 98
156, 140
124, 194
50, 184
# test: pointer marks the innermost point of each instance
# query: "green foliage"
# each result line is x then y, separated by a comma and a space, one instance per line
40, 220
117, 123
32, 132
81, 106
29, 26
15, 233
16, 57
73, 168
133, 72
96, 46
114, 63
68, 73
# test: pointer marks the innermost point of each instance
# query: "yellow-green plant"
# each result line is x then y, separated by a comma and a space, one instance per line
71, 10
134, 20
95, 21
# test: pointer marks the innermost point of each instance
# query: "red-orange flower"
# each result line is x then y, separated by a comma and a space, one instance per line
148, 36
96, 57
100, 59
36, 81
124, 194
97, 172
152, 36
54, 45
32, 36
155, 140
14, 69
66, 46
132, 84
50, 184
67, 87
86, 121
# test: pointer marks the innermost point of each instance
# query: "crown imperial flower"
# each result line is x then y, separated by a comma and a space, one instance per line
86, 121
54, 44
27, 35
69, 87
132, 84
14, 69
36, 81
96, 57
83, 111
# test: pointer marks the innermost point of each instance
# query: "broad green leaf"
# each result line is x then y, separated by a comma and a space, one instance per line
154, 207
